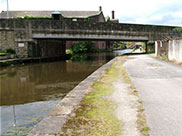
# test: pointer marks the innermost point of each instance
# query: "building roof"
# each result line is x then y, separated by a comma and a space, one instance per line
67, 14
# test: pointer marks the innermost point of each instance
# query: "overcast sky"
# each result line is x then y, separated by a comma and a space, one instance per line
163, 12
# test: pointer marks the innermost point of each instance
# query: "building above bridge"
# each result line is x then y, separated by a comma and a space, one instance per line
96, 16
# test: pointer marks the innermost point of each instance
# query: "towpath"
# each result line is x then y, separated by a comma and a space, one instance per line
159, 84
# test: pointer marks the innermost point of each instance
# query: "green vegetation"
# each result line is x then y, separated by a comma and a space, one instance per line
141, 119
163, 56
69, 51
77, 57
119, 45
152, 52
95, 115
10, 51
33, 17
3, 54
178, 30
81, 47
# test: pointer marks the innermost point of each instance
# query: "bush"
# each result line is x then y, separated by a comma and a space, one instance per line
68, 51
81, 47
178, 31
10, 51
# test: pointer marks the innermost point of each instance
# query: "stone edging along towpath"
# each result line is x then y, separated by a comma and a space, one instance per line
52, 124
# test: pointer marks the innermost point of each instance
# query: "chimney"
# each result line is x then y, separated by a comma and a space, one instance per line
113, 14
100, 8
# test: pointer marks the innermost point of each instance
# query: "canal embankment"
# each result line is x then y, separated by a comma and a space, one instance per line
105, 103
17, 61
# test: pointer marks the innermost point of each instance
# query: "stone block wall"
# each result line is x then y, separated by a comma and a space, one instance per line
21, 49
7, 40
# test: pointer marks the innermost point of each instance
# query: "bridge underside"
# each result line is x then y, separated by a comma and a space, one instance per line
47, 48
49, 45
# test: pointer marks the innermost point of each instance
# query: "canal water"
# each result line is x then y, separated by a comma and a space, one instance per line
29, 92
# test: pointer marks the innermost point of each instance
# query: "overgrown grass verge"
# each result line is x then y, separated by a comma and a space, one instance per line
95, 115
141, 118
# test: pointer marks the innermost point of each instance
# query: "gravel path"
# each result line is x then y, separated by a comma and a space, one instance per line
160, 87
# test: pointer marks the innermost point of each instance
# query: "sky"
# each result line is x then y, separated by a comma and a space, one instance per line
159, 12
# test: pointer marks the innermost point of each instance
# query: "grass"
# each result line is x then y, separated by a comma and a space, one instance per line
3, 53
141, 118
163, 56
95, 114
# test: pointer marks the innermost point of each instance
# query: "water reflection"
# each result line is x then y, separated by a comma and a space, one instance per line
40, 82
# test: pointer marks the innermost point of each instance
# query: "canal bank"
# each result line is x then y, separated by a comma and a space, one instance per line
128, 119
16, 61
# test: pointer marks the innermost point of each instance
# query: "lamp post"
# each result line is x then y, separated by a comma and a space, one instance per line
7, 9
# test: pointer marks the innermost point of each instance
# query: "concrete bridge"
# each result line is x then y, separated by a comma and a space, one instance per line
22, 34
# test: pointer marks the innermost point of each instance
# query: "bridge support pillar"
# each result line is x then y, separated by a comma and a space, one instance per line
146, 47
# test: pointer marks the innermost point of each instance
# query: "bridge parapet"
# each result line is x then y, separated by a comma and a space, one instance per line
71, 25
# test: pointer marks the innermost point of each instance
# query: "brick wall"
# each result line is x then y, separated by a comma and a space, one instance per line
161, 47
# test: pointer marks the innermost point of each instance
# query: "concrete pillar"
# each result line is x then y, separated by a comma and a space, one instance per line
156, 48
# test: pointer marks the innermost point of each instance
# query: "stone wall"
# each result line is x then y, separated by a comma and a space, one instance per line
21, 49
7, 40
171, 48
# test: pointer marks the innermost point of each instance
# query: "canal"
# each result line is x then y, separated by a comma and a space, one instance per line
29, 92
